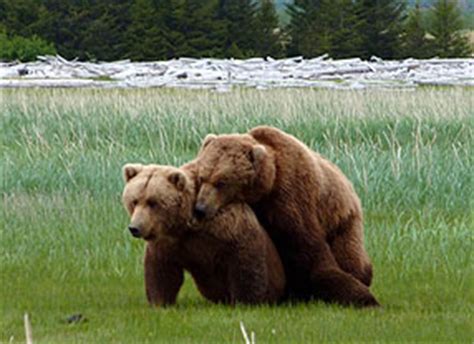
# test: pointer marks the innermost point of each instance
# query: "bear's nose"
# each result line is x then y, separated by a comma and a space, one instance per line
200, 211
135, 231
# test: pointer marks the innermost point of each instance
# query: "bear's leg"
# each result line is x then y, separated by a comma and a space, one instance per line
347, 246
163, 279
248, 275
332, 284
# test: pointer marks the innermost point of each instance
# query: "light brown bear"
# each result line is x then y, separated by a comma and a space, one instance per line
230, 257
306, 204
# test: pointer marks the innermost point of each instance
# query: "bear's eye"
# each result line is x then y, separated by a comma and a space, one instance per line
152, 204
220, 185
134, 203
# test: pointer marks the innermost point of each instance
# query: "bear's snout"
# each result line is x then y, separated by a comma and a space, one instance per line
135, 231
200, 211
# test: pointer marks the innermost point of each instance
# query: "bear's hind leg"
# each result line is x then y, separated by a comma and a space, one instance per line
331, 283
347, 246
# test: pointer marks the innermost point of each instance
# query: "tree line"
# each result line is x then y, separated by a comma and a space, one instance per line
146, 30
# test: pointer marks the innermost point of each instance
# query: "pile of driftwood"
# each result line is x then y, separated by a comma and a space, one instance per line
222, 75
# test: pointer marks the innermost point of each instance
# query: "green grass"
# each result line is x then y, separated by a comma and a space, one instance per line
64, 247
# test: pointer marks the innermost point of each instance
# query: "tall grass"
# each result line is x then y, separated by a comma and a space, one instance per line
62, 227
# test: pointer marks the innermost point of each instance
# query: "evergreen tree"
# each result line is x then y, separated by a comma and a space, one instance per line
203, 31
84, 29
172, 13
17, 16
324, 26
415, 44
307, 28
446, 26
145, 35
103, 38
238, 17
381, 27
234, 52
3, 13
343, 25
62, 23
268, 43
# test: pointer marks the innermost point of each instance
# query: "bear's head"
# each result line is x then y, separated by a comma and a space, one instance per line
159, 200
231, 168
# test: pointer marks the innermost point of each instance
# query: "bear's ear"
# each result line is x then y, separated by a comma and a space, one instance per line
208, 139
178, 179
131, 170
257, 155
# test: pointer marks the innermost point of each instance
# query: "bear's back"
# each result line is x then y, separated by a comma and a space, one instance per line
304, 174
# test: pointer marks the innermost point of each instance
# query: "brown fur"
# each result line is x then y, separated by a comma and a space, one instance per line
230, 257
307, 205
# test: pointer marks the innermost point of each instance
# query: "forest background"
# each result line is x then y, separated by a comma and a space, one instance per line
146, 30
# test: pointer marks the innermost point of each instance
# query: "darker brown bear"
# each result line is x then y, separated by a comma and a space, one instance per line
307, 205
230, 257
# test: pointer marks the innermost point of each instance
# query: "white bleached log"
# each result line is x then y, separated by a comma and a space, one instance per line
223, 74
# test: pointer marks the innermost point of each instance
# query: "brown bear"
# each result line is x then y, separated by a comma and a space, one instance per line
306, 204
230, 257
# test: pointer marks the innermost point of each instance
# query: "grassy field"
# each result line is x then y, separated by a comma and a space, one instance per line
64, 248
